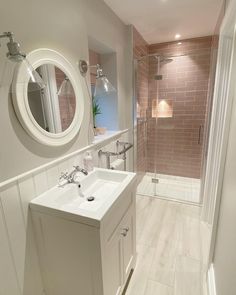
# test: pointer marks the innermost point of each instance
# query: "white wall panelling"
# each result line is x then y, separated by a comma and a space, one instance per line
52, 175
9, 282
220, 122
219, 207
62, 161
14, 219
19, 267
41, 182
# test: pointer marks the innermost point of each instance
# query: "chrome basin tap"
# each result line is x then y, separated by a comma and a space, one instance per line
78, 169
70, 177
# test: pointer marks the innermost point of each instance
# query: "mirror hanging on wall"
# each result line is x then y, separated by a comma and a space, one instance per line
53, 107
52, 115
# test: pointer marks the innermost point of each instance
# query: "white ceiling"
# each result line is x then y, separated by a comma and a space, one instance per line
160, 20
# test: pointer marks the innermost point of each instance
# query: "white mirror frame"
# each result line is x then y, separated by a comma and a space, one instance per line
20, 98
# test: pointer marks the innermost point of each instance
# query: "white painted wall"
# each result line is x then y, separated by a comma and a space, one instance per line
65, 27
225, 248
227, 2
223, 244
109, 103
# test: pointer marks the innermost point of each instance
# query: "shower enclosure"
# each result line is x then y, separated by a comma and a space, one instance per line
171, 91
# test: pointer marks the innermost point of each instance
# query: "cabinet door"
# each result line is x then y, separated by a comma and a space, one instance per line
113, 262
128, 233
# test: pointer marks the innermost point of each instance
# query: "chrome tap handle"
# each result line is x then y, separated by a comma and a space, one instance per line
64, 175
63, 179
67, 177
77, 168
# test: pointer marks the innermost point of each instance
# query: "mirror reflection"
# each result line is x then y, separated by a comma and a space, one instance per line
53, 107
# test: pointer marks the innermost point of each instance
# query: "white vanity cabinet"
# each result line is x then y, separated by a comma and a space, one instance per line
87, 257
119, 254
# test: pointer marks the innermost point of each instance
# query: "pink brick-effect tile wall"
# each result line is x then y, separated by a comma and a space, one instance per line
140, 49
175, 143
66, 103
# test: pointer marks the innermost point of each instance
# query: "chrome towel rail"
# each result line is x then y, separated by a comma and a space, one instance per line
126, 146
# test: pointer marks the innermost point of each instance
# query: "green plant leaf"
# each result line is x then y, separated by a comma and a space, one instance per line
96, 107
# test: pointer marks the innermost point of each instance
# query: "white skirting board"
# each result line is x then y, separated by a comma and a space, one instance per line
211, 281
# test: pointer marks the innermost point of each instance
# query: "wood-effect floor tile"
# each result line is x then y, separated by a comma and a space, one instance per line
139, 279
155, 288
172, 246
188, 276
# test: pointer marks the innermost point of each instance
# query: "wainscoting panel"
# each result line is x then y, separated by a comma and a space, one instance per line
14, 218
27, 193
9, 282
19, 264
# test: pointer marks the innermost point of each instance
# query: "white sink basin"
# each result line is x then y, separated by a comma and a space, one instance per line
103, 185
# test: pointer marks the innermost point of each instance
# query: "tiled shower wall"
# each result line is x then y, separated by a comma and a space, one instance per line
140, 49
176, 141
172, 142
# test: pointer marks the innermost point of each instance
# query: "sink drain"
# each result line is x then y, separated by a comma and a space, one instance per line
90, 199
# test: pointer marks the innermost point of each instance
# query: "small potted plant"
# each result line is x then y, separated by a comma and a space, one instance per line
96, 111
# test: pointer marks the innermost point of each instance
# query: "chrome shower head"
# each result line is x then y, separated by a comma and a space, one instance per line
163, 59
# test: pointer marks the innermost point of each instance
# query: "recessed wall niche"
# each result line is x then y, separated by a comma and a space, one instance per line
108, 104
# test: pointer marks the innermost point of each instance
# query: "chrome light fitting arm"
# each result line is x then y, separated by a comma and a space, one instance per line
103, 85
84, 66
14, 52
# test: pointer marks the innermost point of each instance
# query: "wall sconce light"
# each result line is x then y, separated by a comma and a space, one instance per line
14, 54
66, 89
103, 85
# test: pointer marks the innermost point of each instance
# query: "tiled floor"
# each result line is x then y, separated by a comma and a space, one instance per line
172, 246
171, 187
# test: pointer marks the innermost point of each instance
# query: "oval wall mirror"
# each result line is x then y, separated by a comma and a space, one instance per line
51, 115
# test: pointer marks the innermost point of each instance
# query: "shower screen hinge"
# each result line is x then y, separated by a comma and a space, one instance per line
155, 180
